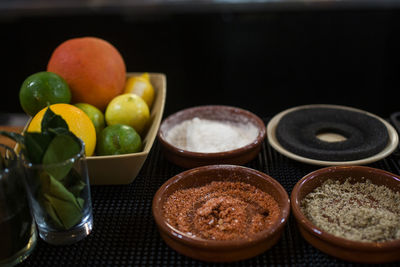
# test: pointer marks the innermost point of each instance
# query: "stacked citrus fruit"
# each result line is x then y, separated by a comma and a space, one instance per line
86, 84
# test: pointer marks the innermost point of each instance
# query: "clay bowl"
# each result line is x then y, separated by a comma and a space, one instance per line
362, 252
189, 159
212, 250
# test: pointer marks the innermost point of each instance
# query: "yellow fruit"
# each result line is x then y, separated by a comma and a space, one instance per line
78, 122
128, 109
142, 87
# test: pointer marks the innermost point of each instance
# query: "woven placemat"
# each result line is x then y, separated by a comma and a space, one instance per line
125, 233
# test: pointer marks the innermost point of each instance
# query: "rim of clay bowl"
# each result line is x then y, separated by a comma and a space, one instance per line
222, 245
252, 118
330, 238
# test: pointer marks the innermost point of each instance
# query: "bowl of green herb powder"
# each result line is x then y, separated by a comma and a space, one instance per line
350, 212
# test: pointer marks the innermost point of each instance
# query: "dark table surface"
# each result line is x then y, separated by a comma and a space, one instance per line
125, 233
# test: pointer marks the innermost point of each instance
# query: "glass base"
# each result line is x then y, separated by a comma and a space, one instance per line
21, 255
67, 237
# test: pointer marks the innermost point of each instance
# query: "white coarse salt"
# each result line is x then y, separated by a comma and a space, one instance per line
210, 136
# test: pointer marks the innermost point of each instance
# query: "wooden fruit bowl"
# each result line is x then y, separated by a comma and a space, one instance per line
123, 169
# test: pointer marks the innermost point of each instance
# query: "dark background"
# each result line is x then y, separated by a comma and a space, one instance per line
261, 59
265, 58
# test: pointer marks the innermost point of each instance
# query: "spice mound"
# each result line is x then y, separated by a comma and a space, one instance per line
221, 211
359, 211
209, 136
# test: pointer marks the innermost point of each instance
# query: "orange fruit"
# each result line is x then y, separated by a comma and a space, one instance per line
78, 122
141, 86
93, 68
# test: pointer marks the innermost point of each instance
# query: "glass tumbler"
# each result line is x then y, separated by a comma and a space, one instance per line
60, 199
17, 227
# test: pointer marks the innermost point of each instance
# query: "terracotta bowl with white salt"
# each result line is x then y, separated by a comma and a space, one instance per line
212, 134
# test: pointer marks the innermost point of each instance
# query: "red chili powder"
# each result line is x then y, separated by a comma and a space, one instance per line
221, 211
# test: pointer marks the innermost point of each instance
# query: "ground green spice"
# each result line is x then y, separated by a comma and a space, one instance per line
359, 211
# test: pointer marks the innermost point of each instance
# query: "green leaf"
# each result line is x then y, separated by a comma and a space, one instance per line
36, 145
62, 206
51, 211
51, 120
74, 184
60, 149
80, 201
68, 213
77, 188
45, 186
59, 130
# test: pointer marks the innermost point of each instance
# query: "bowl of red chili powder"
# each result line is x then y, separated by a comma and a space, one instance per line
221, 213
350, 212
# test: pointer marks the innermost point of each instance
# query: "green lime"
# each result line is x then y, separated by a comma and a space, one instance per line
41, 90
118, 139
95, 115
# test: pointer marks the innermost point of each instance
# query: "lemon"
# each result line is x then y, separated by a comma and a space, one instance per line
78, 122
141, 86
128, 109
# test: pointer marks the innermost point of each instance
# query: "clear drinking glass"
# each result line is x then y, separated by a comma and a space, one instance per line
60, 199
17, 227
